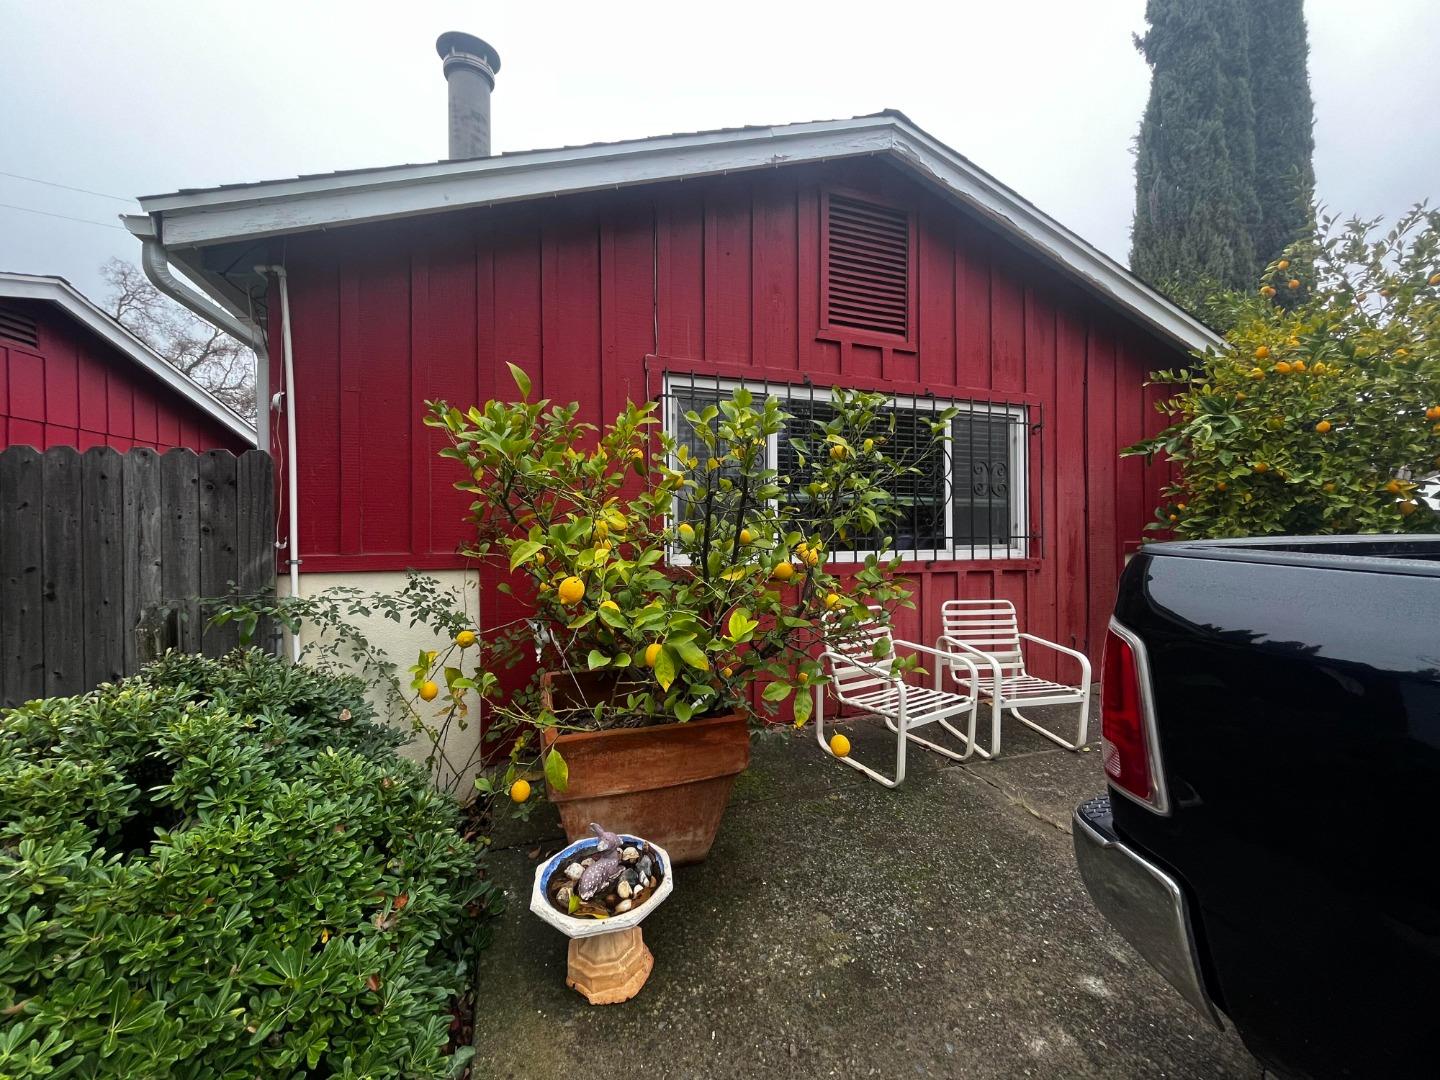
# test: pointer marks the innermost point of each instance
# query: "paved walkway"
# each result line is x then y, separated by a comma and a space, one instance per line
840, 929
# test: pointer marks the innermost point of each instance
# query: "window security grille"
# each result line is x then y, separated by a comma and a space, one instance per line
972, 501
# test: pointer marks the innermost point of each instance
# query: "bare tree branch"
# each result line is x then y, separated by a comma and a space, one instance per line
203, 353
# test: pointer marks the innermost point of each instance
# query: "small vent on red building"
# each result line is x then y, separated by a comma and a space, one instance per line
867, 267
17, 326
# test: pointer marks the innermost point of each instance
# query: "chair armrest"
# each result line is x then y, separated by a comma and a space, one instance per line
987, 658
949, 657
1084, 660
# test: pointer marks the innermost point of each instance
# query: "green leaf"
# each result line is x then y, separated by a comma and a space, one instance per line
683, 711
777, 691
693, 655
665, 669
804, 704
557, 773
524, 551
574, 903
741, 625
597, 659
522, 381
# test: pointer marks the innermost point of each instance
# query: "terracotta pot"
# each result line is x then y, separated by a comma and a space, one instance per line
669, 783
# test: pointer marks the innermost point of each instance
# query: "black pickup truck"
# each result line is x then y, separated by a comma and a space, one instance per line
1271, 840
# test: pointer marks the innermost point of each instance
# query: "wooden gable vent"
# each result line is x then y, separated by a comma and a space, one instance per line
17, 326
867, 267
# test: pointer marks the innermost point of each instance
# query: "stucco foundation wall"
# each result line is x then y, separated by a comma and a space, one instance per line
401, 643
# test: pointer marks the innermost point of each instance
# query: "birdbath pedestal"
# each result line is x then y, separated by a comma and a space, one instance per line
608, 961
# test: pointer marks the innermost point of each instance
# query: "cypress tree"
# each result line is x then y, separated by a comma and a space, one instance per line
1194, 183
1284, 123
1223, 177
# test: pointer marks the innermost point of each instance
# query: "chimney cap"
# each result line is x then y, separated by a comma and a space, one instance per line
459, 44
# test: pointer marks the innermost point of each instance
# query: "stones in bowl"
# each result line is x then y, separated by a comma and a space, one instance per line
644, 869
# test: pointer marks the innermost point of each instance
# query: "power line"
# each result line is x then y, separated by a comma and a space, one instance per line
67, 187
66, 217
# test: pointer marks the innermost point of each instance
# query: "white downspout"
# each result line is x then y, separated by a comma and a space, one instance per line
292, 472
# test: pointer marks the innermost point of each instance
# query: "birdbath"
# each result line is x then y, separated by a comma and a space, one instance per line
608, 962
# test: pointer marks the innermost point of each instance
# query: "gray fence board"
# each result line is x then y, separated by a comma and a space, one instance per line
103, 564
219, 562
22, 503
104, 559
64, 605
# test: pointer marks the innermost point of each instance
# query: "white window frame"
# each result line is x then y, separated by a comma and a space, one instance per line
954, 549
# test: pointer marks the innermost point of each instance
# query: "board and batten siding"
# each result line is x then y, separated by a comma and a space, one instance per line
72, 389
598, 296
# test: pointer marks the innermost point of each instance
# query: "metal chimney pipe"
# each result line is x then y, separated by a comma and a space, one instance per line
470, 67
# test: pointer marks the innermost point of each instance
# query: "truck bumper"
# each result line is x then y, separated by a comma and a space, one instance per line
1141, 901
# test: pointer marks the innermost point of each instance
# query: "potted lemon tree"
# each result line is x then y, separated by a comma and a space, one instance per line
677, 587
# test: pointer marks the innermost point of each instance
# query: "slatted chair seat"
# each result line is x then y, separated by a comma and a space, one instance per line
988, 634
869, 685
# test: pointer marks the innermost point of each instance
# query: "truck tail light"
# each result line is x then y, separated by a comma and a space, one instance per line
1126, 725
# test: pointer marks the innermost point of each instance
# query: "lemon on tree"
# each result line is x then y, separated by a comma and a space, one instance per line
571, 590
520, 791
429, 691
465, 638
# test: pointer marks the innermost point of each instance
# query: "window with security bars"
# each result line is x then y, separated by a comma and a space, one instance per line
868, 267
969, 502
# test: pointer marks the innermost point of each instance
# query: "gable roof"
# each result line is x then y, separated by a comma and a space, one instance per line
188, 221
58, 291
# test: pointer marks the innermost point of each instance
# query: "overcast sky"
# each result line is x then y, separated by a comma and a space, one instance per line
147, 96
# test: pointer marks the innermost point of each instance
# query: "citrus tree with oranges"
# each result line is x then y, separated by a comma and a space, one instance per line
678, 567
1322, 414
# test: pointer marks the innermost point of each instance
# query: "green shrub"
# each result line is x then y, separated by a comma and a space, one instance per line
223, 868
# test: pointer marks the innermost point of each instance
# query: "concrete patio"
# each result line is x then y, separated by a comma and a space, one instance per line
843, 929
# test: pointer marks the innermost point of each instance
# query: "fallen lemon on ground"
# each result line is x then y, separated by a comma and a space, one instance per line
783, 571
571, 591
465, 638
429, 691
839, 745
652, 653
520, 791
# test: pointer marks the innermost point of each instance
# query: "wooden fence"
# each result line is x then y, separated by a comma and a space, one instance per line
104, 557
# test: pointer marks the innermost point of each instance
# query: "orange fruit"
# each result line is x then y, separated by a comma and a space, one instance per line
783, 571
1221, 486
1262, 352
1267, 291
1240, 395
520, 791
1408, 507
1174, 517
839, 745
1323, 426
1261, 467
1435, 279
429, 691
1293, 283
652, 653
1393, 487
1283, 264
1328, 486
1257, 374
1298, 365
465, 638
1433, 412
571, 591
1282, 367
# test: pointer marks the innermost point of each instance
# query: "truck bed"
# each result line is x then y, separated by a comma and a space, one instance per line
1296, 688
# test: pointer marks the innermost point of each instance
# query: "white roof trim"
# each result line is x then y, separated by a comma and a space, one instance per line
252, 211
59, 291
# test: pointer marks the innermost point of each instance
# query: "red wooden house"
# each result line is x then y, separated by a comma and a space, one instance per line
858, 253
70, 375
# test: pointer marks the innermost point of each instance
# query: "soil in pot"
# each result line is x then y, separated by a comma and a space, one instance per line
637, 884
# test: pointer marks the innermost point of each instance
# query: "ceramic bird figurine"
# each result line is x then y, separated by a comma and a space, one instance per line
605, 870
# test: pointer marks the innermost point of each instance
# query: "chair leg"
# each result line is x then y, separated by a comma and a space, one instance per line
879, 778
1082, 728
960, 736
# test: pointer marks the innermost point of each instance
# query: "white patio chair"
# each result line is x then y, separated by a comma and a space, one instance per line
868, 685
987, 632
